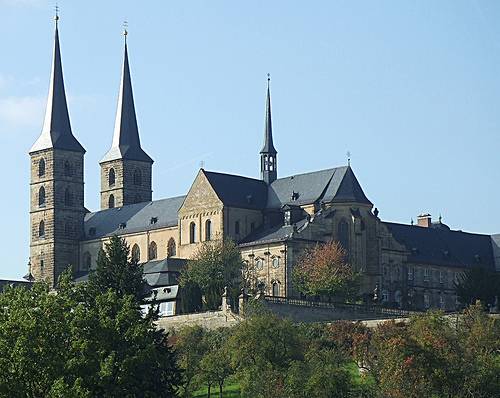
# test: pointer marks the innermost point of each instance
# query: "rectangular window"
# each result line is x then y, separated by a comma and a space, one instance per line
166, 309
426, 275
410, 273
237, 227
441, 277
441, 302
427, 300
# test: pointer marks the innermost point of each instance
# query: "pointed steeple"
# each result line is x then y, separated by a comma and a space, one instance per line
268, 130
56, 131
126, 143
268, 154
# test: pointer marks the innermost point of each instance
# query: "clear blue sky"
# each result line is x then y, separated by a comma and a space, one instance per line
411, 89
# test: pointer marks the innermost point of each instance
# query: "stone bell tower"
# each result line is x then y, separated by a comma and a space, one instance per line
56, 188
125, 169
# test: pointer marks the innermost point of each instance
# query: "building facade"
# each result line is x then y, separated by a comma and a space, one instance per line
272, 219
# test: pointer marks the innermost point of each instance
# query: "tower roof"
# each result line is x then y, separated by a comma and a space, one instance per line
56, 131
126, 143
268, 130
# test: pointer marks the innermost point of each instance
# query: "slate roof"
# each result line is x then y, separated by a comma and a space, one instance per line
14, 283
440, 246
268, 130
56, 131
331, 185
126, 143
495, 241
277, 233
337, 184
238, 191
133, 218
156, 273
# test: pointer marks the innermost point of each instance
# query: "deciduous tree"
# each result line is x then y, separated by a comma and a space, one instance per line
323, 270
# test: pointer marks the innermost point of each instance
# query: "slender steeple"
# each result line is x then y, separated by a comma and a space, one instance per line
126, 143
56, 131
268, 154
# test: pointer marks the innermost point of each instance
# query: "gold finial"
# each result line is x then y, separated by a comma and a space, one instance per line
125, 27
56, 17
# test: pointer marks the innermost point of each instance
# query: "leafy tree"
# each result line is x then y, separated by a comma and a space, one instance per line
216, 264
116, 270
215, 366
322, 270
35, 337
83, 341
478, 283
190, 346
262, 349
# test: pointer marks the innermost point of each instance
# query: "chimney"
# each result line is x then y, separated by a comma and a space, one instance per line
424, 220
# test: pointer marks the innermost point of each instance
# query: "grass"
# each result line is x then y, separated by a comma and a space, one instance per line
229, 391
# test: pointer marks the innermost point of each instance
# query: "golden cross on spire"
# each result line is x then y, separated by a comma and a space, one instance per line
125, 29
56, 9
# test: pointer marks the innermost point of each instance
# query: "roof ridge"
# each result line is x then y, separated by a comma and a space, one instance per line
232, 175
435, 229
312, 172
135, 204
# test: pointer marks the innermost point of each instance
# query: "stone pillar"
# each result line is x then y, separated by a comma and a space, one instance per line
242, 300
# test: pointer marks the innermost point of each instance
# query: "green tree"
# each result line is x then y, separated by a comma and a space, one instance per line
216, 264
116, 270
215, 366
35, 338
478, 283
262, 348
190, 347
83, 342
322, 270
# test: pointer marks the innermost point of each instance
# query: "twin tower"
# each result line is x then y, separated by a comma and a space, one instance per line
57, 208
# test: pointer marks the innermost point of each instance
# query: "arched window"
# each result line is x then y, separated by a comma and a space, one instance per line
192, 232
276, 288
68, 198
136, 253
208, 230
41, 197
153, 251
41, 167
87, 262
41, 229
137, 177
111, 201
276, 262
259, 264
111, 177
343, 234
67, 169
171, 248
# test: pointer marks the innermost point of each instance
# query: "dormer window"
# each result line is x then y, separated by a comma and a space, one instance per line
288, 217
153, 220
122, 225
295, 196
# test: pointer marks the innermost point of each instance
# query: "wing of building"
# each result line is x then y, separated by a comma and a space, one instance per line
272, 219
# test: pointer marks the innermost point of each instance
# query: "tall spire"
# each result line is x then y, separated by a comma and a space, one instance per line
56, 131
268, 154
268, 130
126, 143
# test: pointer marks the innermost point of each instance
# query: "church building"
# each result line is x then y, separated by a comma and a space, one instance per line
272, 219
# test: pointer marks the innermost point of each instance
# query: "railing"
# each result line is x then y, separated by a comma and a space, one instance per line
355, 308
